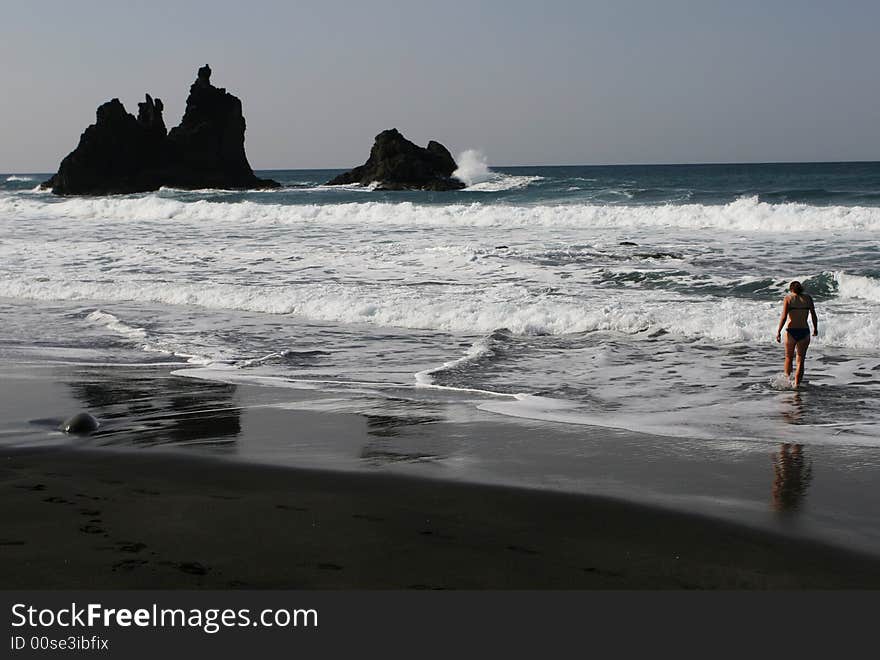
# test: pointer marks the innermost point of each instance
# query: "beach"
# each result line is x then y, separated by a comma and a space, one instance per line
103, 512
555, 377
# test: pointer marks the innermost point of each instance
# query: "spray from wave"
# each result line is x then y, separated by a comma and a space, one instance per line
473, 168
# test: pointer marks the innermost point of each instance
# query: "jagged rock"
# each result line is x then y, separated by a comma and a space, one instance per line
208, 145
123, 154
395, 163
150, 116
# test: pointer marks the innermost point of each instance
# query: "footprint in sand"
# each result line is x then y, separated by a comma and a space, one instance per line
599, 571
145, 491
525, 551
364, 516
92, 529
89, 497
127, 546
57, 500
436, 535
424, 587
129, 564
193, 568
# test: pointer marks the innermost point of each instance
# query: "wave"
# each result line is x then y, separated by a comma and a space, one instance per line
743, 215
504, 182
857, 286
114, 323
534, 407
18, 177
470, 312
473, 170
480, 350
140, 337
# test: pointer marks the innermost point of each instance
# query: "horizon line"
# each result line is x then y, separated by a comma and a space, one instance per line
655, 164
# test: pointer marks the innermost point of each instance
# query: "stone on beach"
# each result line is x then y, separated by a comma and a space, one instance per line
80, 424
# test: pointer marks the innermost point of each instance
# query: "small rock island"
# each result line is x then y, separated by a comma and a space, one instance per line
121, 153
395, 163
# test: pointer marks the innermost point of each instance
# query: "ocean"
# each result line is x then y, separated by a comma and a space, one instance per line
637, 299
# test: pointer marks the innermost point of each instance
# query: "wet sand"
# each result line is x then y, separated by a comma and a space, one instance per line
102, 519
192, 484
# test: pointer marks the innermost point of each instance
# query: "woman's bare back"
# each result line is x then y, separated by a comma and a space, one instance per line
799, 307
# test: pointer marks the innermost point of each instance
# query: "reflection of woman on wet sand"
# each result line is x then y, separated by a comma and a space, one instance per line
791, 477
795, 308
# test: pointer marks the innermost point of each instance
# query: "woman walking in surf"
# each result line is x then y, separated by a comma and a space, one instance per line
795, 308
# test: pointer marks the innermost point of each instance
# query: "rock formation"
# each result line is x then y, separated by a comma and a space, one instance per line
395, 163
123, 154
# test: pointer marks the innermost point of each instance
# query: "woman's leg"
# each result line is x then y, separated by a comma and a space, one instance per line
789, 353
801, 348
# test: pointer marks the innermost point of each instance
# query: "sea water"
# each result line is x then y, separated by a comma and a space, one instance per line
637, 297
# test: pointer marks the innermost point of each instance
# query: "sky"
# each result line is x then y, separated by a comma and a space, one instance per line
527, 83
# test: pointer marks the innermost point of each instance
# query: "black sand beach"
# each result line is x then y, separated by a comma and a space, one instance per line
99, 519
106, 513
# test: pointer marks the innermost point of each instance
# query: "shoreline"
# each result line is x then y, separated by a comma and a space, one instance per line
116, 519
191, 483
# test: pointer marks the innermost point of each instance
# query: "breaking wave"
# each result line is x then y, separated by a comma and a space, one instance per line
471, 312
857, 286
473, 169
141, 338
743, 215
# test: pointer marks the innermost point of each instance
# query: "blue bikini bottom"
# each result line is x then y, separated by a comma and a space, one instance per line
798, 333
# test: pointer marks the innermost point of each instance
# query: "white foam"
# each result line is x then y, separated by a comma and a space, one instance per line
743, 215
473, 170
503, 182
676, 424
781, 382
472, 167
140, 337
18, 177
857, 286
466, 310
479, 349
113, 323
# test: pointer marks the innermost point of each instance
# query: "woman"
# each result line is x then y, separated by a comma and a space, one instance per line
795, 308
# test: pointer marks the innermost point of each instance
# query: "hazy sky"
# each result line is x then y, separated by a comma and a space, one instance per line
533, 82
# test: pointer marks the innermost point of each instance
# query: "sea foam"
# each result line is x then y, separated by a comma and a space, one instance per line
857, 286
515, 308
742, 215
